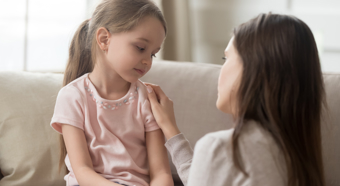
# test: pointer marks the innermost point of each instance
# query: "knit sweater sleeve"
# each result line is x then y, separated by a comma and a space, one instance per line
181, 154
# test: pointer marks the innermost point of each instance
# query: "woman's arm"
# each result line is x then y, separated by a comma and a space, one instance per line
181, 153
213, 165
160, 173
80, 159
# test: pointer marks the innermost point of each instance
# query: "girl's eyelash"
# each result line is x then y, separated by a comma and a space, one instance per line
224, 58
140, 48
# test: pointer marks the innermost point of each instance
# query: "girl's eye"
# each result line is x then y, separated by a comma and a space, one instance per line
153, 55
140, 48
224, 58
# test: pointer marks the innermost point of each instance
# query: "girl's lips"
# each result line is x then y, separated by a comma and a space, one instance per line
140, 71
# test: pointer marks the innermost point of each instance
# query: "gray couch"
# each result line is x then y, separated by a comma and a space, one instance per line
29, 147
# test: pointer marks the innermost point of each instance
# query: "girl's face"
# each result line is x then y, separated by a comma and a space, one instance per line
229, 80
130, 53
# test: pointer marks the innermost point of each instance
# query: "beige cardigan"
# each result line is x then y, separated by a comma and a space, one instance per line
212, 162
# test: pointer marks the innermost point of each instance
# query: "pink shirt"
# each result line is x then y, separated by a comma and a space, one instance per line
114, 129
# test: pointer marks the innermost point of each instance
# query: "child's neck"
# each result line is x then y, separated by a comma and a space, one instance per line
109, 85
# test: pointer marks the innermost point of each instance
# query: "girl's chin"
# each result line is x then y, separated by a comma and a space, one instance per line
131, 79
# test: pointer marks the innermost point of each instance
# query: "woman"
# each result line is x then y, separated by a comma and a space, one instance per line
271, 83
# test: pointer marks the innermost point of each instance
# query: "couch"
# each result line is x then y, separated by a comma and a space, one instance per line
29, 148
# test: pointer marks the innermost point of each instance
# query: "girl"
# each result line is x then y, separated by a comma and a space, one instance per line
271, 83
102, 111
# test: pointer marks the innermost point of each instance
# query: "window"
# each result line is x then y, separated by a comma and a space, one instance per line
35, 34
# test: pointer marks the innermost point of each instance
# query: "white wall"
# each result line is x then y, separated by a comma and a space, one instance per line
213, 22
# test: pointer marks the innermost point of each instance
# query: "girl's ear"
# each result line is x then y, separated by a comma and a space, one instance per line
103, 37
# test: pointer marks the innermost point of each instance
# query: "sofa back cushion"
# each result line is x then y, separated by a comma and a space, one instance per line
29, 148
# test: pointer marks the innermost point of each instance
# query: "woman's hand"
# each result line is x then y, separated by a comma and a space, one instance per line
163, 110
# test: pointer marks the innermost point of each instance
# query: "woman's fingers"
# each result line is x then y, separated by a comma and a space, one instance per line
159, 92
152, 96
163, 110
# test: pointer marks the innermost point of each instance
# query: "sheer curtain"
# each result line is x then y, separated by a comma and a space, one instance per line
177, 45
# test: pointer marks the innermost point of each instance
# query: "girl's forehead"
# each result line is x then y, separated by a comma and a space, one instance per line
149, 30
149, 25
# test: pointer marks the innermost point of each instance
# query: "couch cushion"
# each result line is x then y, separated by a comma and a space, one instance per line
29, 148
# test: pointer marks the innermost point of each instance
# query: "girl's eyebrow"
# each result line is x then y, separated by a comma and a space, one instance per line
144, 39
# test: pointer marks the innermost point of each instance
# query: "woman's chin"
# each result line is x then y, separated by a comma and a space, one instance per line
219, 106
223, 107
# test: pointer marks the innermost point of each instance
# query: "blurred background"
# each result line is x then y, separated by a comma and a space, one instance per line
35, 34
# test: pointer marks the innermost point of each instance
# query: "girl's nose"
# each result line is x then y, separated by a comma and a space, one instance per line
147, 61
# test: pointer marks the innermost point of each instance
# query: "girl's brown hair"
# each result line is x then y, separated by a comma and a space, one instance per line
114, 15
282, 89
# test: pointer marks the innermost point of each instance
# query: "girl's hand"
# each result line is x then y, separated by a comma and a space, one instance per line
163, 110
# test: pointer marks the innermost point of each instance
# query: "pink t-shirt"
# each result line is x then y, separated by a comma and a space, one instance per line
114, 129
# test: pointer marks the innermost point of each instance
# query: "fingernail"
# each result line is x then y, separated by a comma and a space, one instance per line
149, 89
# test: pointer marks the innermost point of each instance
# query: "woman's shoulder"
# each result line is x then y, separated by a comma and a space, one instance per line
216, 141
255, 136
261, 155
252, 134
258, 150
253, 139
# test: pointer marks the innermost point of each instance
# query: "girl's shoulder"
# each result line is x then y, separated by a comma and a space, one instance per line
79, 83
142, 91
75, 89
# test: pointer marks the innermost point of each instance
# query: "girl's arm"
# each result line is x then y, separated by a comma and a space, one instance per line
160, 173
80, 159
163, 110
177, 144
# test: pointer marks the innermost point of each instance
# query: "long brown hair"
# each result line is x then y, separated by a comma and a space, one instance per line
282, 89
116, 16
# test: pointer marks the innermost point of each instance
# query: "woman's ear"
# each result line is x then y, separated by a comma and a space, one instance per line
103, 38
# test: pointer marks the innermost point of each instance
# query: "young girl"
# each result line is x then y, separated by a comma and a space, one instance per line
103, 111
271, 83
